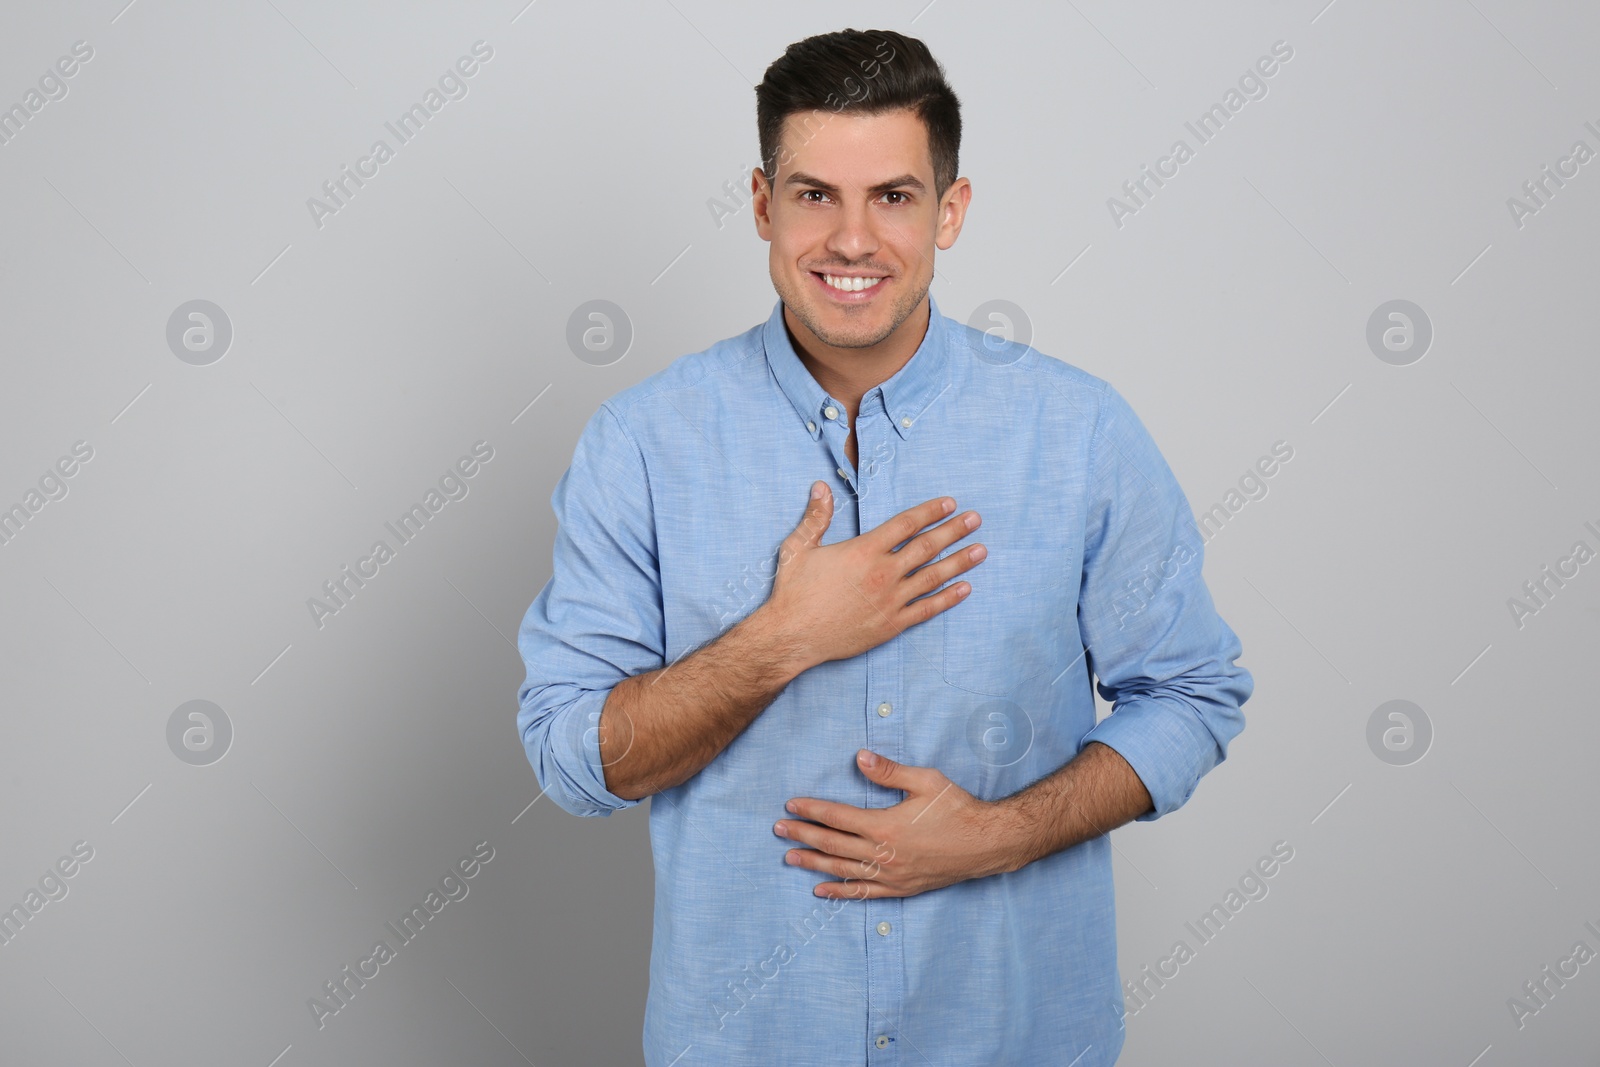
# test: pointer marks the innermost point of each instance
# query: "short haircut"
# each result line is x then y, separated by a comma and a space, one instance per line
867, 72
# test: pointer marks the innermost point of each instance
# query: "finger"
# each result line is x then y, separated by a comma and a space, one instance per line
923, 608
906, 776
855, 889
814, 523
937, 573
846, 817
816, 860
847, 846
891, 532
928, 544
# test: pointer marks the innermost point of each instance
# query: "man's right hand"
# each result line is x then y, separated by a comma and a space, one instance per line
837, 601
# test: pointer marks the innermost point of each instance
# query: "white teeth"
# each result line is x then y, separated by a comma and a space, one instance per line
851, 284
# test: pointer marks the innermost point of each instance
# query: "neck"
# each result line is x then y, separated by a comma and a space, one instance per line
848, 373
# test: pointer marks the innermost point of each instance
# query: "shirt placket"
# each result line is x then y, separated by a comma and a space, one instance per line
884, 714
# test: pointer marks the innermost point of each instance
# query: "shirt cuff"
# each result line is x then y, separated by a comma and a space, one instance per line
1166, 745
568, 762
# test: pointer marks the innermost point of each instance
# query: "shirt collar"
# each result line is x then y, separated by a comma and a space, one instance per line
904, 397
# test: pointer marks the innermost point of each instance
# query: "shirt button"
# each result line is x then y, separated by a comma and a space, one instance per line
811, 426
884, 710
830, 411
881, 1042
906, 422
883, 928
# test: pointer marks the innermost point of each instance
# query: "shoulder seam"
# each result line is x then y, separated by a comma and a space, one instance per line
644, 466
662, 388
1094, 443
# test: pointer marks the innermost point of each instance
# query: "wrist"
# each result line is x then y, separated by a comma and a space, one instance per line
771, 643
1007, 830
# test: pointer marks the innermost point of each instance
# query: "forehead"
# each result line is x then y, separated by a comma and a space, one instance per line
855, 147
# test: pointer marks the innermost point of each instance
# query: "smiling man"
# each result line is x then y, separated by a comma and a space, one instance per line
881, 798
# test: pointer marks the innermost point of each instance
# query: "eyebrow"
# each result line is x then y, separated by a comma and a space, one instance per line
800, 177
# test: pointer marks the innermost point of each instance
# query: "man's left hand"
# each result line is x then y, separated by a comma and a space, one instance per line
939, 834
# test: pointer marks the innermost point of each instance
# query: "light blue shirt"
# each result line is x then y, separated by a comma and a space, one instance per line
680, 491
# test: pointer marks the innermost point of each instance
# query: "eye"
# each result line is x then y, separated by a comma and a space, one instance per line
807, 192
899, 194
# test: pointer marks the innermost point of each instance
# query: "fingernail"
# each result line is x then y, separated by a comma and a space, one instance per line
779, 829
868, 759
817, 489
790, 808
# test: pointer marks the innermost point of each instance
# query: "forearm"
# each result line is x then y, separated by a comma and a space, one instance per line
1092, 794
660, 728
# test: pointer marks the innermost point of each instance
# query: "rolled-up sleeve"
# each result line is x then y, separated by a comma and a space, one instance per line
597, 620
1155, 644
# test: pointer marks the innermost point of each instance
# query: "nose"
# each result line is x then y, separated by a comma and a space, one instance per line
856, 234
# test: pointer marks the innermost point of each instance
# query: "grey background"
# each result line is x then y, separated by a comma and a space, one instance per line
431, 312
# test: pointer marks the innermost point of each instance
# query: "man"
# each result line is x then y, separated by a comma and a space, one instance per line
881, 797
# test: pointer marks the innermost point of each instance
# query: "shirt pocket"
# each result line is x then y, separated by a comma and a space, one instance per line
1013, 626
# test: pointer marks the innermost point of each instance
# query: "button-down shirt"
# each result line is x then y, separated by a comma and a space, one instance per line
680, 491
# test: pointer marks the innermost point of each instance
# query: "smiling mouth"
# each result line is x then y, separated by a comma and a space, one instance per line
841, 283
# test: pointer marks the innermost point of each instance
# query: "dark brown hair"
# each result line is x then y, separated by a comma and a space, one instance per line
864, 71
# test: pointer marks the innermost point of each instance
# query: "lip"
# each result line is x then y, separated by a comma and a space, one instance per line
842, 297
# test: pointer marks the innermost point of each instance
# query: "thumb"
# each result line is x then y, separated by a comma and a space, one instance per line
885, 771
818, 517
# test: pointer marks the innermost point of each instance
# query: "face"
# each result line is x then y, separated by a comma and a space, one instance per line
853, 201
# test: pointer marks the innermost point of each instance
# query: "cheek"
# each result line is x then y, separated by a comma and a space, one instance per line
913, 242
797, 237
785, 263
